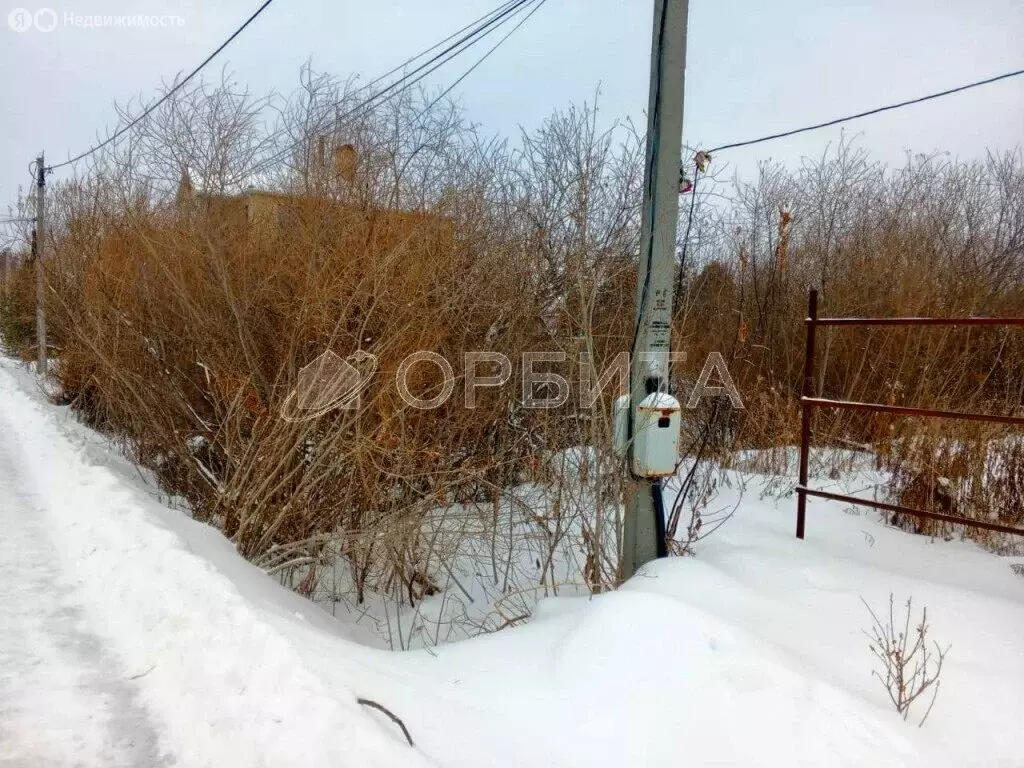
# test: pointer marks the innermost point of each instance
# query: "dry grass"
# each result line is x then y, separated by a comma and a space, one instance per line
184, 325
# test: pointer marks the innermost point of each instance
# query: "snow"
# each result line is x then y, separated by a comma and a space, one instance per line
659, 400
196, 442
224, 687
50, 664
750, 653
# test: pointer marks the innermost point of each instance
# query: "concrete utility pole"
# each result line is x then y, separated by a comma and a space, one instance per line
649, 363
41, 360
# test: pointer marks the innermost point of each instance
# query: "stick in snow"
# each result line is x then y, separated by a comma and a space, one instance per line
389, 713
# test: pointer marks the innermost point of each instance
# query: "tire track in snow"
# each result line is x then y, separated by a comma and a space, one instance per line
63, 699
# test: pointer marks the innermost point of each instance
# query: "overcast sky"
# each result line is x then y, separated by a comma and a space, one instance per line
753, 67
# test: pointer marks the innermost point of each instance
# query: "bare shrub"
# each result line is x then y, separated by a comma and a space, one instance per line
971, 471
186, 304
907, 665
17, 311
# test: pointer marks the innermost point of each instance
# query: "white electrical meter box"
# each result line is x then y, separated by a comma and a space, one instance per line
656, 433
620, 425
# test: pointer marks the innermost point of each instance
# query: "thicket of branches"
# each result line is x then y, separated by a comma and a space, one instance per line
183, 332
183, 329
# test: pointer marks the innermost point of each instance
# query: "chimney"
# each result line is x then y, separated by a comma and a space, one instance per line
345, 163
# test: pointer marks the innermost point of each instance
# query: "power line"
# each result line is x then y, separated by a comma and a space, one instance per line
487, 55
830, 123
448, 54
870, 112
117, 134
483, 27
434, 47
686, 237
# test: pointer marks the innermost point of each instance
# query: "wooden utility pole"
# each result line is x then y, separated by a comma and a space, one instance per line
40, 238
649, 364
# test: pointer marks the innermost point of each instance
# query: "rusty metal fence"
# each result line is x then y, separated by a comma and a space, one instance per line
808, 402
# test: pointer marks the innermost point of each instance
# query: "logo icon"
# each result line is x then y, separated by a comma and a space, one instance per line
329, 383
46, 20
20, 20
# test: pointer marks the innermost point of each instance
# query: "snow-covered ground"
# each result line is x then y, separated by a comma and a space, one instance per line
123, 646
135, 636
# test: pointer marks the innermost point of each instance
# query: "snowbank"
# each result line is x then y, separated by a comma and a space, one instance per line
752, 653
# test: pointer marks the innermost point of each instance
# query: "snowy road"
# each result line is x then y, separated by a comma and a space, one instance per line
63, 700
119, 646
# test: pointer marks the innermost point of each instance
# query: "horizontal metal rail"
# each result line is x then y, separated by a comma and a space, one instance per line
911, 511
904, 410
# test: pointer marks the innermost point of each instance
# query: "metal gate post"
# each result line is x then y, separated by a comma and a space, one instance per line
806, 412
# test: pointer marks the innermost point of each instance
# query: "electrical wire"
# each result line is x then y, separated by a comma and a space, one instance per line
649, 173
658, 498
483, 28
484, 58
177, 87
827, 124
437, 45
252, 18
686, 240
868, 113
491, 22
